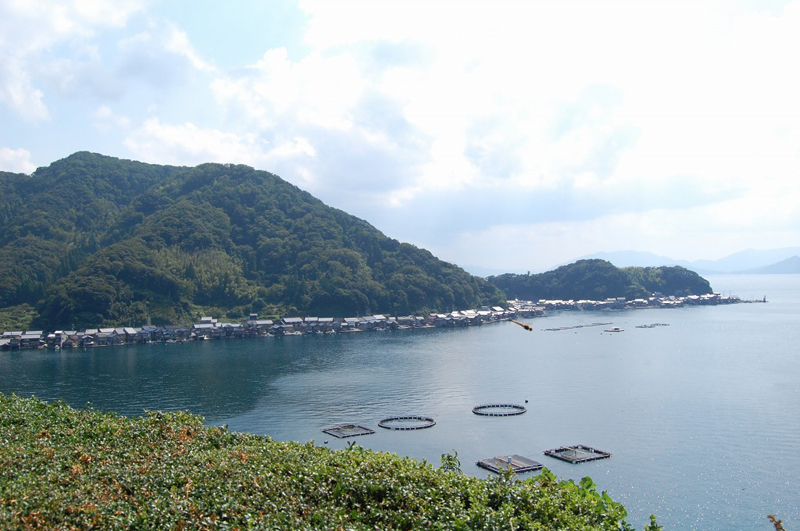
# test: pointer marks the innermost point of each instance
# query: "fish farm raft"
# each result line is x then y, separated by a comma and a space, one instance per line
517, 463
499, 410
409, 422
577, 454
342, 431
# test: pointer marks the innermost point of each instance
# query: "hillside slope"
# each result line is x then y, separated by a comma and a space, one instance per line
93, 240
599, 280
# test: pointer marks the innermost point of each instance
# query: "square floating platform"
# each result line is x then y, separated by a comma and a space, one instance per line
517, 463
343, 431
577, 454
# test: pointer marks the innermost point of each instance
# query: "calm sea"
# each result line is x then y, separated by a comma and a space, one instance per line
701, 416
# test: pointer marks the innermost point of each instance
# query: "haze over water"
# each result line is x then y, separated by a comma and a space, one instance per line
700, 416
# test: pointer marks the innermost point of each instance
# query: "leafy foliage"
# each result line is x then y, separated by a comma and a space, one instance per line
66, 468
94, 240
598, 280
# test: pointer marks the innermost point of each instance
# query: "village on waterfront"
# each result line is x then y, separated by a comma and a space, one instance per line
211, 328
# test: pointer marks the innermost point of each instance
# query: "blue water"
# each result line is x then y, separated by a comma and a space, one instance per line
701, 416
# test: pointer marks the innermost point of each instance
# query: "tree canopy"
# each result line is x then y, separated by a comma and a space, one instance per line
598, 280
93, 240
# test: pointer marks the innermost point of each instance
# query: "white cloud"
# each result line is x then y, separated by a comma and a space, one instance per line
160, 53
29, 32
18, 93
106, 13
188, 144
179, 44
16, 160
592, 114
561, 123
106, 120
316, 91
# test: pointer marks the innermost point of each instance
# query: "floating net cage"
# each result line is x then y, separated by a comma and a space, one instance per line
577, 454
343, 431
499, 410
407, 422
517, 463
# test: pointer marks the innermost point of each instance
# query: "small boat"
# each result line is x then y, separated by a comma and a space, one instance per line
615, 329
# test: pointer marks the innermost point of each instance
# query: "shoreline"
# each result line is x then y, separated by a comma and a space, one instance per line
210, 328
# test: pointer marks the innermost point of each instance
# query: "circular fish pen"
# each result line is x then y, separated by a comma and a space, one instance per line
408, 422
499, 410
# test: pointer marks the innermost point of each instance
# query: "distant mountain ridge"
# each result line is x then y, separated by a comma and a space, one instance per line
750, 261
789, 266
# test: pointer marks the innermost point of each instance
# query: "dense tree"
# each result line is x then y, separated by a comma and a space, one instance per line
93, 240
598, 280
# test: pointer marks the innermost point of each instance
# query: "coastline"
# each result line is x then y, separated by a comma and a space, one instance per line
210, 328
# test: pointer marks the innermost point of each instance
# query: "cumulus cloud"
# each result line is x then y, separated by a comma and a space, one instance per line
161, 55
16, 160
189, 144
107, 120
18, 93
555, 123
315, 91
532, 115
31, 30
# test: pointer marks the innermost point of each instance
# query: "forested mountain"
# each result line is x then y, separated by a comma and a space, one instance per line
598, 280
93, 240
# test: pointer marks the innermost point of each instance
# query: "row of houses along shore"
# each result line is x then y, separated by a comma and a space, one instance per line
210, 328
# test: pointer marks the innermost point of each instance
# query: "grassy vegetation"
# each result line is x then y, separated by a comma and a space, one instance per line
65, 468
17, 317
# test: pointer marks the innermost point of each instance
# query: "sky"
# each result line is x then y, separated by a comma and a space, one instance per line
503, 136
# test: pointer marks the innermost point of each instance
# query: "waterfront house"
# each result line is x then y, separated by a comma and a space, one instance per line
12, 340
310, 324
57, 338
293, 324
235, 330
130, 334
262, 326
202, 330
175, 333
350, 324
31, 339
374, 322
325, 325
146, 334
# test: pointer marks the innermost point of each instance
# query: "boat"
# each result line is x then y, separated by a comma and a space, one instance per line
615, 329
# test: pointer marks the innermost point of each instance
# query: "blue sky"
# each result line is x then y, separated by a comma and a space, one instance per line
505, 136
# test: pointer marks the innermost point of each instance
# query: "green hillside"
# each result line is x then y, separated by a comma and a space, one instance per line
93, 240
598, 280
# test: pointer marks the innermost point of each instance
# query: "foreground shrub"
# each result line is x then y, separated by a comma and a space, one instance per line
67, 468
